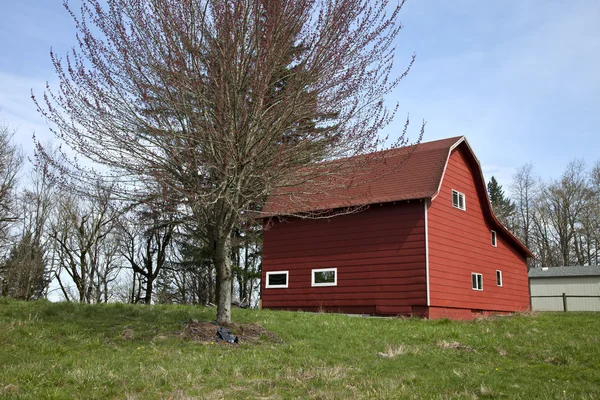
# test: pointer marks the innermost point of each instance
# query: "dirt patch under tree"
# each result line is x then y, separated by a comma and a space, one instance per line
205, 332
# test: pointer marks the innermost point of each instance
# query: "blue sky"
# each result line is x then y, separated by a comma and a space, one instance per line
520, 79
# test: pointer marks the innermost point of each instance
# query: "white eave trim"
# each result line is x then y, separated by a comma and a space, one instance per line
455, 145
487, 197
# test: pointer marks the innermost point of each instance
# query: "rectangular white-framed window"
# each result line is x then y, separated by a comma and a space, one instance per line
458, 200
498, 277
494, 239
476, 281
277, 279
324, 277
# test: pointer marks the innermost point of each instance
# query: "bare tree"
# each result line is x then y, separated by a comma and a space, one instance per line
26, 272
566, 202
81, 227
541, 235
223, 102
563, 216
524, 190
591, 219
109, 266
11, 161
588, 226
146, 238
37, 201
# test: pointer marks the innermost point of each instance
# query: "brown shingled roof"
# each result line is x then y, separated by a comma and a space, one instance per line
388, 176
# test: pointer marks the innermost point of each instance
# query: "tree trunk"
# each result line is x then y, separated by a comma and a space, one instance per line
222, 257
149, 284
211, 286
244, 283
81, 286
132, 297
105, 290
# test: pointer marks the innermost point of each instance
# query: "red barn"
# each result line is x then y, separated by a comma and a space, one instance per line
428, 244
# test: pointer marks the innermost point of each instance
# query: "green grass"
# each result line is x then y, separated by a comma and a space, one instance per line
64, 351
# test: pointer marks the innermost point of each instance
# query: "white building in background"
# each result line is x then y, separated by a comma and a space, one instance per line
572, 281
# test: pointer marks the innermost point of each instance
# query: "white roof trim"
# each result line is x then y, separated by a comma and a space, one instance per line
455, 145
487, 197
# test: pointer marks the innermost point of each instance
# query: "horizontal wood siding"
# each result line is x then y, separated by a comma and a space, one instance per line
460, 243
570, 285
379, 255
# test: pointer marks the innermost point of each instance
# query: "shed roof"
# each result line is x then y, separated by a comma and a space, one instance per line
558, 272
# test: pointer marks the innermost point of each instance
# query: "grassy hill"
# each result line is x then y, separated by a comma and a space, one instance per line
63, 351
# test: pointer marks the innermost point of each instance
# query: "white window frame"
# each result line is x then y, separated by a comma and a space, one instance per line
494, 238
476, 275
312, 277
287, 280
499, 277
464, 200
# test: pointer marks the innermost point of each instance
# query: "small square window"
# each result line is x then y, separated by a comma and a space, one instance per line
277, 279
458, 200
476, 281
498, 277
494, 239
324, 277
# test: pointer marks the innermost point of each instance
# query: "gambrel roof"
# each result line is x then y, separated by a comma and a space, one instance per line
389, 176
401, 174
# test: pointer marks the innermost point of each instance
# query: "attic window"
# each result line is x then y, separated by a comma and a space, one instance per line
494, 239
458, 200
277, 279
477, 281
324, 277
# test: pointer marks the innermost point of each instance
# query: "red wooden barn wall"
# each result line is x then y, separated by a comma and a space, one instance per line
460, 243
379, 255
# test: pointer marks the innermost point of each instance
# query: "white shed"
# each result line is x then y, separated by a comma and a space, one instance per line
549, 284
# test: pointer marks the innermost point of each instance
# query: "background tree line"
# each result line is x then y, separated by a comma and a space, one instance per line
94, 247
557, 219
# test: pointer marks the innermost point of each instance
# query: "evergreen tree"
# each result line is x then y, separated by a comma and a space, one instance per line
503, 207
24, 275
165, 293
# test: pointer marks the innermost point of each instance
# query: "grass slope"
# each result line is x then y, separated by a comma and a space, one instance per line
64, 351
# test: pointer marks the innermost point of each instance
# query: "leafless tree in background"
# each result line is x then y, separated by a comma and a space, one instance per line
109, 265
591, 219
564, 202
80, 230
559, 220
146, 236
223, 102
11, 161
37, 202
524, 191
542, 235
28, 269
